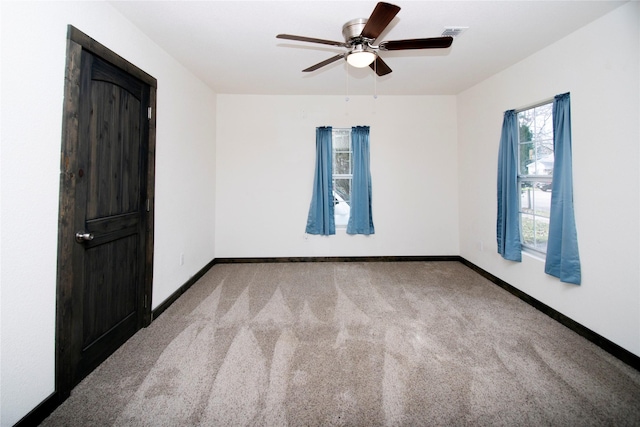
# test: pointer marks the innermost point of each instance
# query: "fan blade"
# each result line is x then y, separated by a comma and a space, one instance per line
380, 67
432, 43
310, 40
323, 63
379, 19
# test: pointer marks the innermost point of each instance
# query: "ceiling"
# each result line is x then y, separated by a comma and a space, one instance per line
232, 45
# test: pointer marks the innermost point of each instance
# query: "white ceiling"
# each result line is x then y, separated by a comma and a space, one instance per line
232, 45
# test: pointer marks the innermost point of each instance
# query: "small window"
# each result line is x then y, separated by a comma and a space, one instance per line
342, 175
535, 175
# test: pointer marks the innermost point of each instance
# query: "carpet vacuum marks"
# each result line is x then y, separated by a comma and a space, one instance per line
353, 344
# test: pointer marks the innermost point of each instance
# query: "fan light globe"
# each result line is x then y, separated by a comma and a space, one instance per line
361, 59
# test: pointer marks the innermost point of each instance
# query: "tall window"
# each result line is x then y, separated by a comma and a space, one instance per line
535, 175
342, 175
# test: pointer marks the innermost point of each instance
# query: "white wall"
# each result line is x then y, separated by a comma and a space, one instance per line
599, 65
33, 61
265, 165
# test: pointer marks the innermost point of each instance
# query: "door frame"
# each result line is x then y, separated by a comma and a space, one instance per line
77, 41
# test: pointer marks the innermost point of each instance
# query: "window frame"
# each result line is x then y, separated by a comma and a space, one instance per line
349, 176
534, 180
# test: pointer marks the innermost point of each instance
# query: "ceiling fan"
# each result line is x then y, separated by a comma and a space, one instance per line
361, 33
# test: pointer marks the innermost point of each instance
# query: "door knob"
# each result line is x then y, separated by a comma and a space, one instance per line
83, 237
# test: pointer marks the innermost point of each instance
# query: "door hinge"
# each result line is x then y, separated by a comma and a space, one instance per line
149, 113
145, 301
148, 205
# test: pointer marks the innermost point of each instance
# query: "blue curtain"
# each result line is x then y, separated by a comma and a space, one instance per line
360, 218
508, 223
563, 260
321, 219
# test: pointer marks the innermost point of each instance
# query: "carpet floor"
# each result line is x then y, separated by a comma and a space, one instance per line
353, 344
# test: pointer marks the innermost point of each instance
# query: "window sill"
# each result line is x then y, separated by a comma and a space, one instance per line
535, 255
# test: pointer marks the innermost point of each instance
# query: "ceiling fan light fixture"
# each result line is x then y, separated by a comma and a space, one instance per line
360, 57
361, 34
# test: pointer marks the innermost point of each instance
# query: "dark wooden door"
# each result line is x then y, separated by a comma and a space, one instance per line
104, 293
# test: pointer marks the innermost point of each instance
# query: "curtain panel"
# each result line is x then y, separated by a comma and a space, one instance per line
361, 217
508, 222
321, 211
563, 259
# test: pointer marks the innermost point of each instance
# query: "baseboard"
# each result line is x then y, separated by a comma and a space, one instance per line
41, 412
339, 259
609, 346
181, 290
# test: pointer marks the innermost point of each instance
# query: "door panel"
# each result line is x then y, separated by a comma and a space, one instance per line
104, 273
115, 137
109, 287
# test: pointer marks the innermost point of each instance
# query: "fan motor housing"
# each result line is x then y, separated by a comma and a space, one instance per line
353, 28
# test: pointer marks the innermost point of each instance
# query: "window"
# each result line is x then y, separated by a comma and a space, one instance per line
342, 182
535, 175
342, 175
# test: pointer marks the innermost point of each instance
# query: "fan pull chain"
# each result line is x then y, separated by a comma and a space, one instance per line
347, 83
346, 98
375, 86
375, 79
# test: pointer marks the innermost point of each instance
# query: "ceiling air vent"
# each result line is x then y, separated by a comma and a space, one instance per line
453, 31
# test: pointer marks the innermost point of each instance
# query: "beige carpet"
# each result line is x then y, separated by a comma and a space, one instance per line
354, 344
